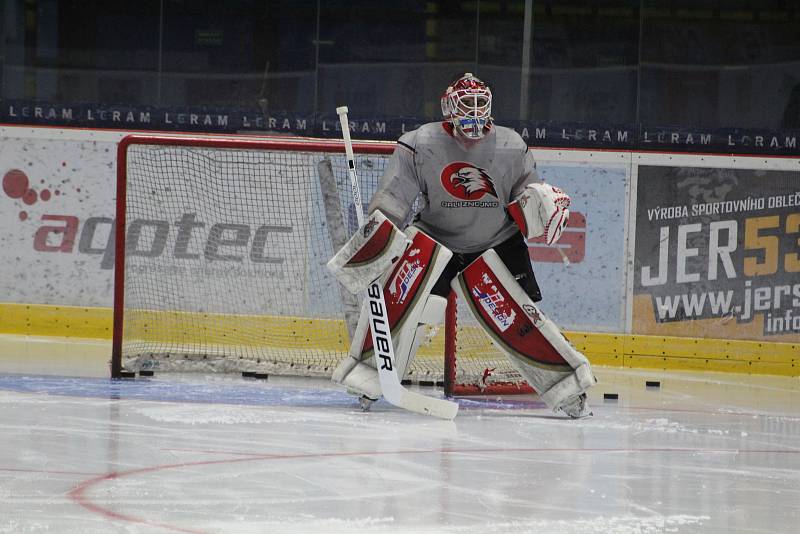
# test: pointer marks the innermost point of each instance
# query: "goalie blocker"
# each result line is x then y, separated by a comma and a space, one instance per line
369, 253
533, 343
409, 305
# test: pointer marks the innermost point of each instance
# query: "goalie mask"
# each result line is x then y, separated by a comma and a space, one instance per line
467, 104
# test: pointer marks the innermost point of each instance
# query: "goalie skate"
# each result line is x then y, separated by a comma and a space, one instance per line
575, 407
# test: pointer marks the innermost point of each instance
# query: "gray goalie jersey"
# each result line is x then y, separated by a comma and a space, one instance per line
464, 189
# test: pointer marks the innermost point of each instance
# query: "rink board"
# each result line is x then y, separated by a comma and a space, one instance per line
58, 279
621, 350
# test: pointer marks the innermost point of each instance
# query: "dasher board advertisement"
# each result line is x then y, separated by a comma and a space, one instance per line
582, 275
717, 253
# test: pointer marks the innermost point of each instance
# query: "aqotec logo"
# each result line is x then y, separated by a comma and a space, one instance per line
186, 238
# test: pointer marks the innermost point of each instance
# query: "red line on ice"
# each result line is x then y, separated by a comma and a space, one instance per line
79, 493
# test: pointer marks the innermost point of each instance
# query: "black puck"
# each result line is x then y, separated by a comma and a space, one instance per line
652, 384
144, 372
248, 374
260, 376
610, 396
127, 374
406, 382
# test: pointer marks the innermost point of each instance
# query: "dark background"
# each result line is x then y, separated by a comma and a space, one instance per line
685, 65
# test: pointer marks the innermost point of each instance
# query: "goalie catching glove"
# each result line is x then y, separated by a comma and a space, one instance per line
541, 210
369, 253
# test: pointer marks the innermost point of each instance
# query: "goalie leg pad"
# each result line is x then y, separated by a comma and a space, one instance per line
532, 342
432, 314
409, 307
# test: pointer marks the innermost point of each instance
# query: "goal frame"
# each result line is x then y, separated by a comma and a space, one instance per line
298, 144
451, 387
277, 144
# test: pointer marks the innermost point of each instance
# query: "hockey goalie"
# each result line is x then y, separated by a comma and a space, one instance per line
481, 200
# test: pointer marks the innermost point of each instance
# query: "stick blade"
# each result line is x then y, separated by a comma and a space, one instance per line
422, 404
396, 394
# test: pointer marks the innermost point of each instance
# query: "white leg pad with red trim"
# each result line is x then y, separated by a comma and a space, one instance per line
533, 343
432, 314
410, 306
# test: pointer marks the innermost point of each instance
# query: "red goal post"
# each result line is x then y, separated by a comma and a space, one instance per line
221, 245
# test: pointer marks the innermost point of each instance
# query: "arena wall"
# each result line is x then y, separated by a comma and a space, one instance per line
670, 260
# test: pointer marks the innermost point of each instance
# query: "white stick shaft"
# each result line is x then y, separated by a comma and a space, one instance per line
351, 163
382, 345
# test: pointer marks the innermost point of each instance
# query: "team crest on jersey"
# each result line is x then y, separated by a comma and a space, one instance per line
469, 184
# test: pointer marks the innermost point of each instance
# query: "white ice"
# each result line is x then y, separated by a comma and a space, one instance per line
702, 453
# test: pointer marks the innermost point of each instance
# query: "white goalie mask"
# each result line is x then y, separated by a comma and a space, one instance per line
467, 104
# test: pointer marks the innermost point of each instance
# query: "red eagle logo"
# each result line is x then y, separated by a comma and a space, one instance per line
467, 182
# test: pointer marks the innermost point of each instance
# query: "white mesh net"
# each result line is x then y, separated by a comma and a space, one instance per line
225, 259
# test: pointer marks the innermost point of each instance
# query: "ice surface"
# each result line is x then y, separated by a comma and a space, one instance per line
702, 453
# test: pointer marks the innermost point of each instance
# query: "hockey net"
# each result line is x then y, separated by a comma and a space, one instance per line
221, 247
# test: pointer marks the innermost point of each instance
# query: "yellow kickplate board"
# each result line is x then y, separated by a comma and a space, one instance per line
619, 350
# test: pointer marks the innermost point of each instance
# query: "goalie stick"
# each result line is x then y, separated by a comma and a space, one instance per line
393, 391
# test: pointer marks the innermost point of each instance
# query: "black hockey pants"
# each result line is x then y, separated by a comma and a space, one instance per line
514, 253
